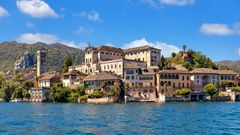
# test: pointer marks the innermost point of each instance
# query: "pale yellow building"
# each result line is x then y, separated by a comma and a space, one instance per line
148, 54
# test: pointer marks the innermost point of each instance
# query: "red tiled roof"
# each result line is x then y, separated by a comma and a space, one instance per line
146, 47
102, 76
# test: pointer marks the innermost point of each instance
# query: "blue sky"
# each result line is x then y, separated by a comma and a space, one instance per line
209, 26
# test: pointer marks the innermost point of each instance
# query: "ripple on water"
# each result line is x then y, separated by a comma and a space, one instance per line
131, 118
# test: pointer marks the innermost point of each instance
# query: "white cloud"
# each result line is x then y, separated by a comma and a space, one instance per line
91, 16
177, 2
3, 12
82, 30
31, 38
36, 8
30, 25
167, 49
220, 29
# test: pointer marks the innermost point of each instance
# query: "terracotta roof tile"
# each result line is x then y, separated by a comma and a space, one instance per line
227, 72
49, 75
74, 73
110, 49
204, 71
139, 48
102, 76
174, 72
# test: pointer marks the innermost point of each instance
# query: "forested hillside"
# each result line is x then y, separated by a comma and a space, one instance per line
11, 51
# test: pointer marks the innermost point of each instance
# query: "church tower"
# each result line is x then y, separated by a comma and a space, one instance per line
41, 61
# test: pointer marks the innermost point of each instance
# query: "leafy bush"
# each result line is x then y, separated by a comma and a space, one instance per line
73, 97
80, 90
60, 93
97, 93
210, 89
236, 89
110, 94
183, 92
84, 98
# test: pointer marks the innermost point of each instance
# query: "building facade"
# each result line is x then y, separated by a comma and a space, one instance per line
72, 79
148, 54
168, 81
106, 58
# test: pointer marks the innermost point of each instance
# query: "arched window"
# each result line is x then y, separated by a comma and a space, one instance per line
161, 84
169, 83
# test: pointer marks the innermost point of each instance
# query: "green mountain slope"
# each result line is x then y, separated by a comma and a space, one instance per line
11, 51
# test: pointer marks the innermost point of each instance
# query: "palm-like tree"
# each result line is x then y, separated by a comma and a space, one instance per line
184, 48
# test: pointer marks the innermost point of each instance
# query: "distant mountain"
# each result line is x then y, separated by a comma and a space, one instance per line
228, 64
10, 52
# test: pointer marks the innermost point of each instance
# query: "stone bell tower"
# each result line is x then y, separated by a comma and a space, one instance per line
41, 61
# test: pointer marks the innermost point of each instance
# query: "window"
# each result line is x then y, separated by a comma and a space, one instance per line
187, 77
132, 77
188, 85
174, 85
161, 84
183, 85
197, 77
183, 78
119, 66
127, 77
115, 65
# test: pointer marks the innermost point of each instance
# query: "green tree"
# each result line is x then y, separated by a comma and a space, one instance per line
67, 62
18, 93
174, 54
17, 77
81, 90
183, 92
27, 84
210, 89
60, 93
2, 78
26, 94
7, 89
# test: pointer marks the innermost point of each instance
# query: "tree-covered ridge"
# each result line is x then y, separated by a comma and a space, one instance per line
189, 59
11, 51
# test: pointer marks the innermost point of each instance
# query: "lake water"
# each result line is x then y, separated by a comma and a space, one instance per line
131, 118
